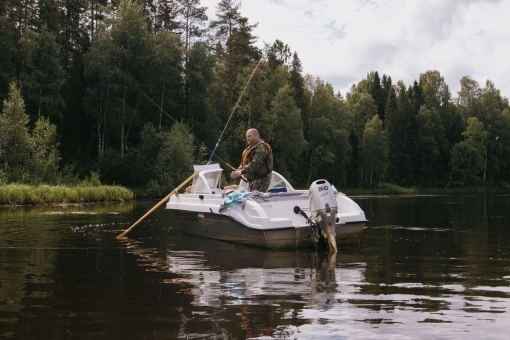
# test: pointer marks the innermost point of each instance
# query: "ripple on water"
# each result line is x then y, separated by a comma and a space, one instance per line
408, 279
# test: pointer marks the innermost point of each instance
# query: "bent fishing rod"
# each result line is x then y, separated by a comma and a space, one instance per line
232, 113
180, 125
219, 139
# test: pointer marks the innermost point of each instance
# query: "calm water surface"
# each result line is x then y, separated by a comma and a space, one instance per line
430, 267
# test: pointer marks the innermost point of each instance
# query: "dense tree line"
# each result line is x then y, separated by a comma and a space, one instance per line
121, 87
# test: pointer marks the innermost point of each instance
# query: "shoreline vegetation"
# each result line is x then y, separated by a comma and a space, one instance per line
29, 195
69, 106
23, 194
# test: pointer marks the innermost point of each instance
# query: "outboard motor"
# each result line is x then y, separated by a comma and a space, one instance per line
323, 208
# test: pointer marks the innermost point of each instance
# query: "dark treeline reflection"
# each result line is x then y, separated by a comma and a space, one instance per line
456, 240
88, 86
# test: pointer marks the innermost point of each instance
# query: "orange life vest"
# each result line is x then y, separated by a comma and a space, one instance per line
247, 151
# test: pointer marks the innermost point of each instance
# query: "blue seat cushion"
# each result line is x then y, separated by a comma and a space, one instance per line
273, 190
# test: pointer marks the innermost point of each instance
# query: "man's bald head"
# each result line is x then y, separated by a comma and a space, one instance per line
252, 136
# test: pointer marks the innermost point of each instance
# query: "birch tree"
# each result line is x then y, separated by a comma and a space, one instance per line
373, 152
468, 155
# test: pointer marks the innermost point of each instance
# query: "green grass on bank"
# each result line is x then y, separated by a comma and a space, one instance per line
21, 194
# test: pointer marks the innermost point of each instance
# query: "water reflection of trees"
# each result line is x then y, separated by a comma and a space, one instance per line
427, 247
107, 207
256, 288
32, 241
443, 257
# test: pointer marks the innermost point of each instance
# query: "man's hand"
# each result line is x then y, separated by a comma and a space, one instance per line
235, 174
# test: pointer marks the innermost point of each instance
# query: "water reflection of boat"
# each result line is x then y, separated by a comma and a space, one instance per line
217, 273
275, 219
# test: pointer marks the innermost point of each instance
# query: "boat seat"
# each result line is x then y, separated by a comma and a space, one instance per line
277, 189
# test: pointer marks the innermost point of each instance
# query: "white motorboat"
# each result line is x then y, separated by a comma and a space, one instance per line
281, 218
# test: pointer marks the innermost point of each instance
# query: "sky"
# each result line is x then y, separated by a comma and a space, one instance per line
341, 41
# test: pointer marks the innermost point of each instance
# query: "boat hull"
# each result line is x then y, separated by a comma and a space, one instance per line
226, 228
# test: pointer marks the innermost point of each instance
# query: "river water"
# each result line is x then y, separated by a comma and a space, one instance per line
430, 267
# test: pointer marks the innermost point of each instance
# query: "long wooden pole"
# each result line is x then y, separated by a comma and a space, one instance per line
158, 205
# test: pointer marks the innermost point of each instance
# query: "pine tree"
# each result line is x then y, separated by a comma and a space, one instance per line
392, 136
398, 122
429, 167
45, 157
49, 17
320, 117
162, 14
100, 74
386, 84
288, 141
42, 75
436, 101
95, 16
192, 21
297, 82
277, 54
134, 48
7, 56
234, 46
165, 80
373, 152
199, 78
15, 142
377, 92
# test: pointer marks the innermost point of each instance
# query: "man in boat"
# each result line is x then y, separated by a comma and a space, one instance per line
257, 162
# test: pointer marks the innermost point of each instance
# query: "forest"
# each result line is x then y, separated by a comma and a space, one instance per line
137, 91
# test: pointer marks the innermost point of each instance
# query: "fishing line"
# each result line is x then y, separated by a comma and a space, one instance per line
232, 113
181, 126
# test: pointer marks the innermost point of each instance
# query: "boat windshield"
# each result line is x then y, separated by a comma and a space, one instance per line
206, 181
277, 182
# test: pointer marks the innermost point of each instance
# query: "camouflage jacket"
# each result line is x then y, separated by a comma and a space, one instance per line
257, 161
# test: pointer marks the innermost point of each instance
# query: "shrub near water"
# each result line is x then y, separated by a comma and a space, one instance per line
14, 194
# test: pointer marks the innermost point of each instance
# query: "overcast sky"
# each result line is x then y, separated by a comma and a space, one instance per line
342, 40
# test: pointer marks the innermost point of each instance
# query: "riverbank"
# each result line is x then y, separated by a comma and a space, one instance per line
21, 194
390, 189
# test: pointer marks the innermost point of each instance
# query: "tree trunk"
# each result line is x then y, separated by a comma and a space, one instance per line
105, 110
310, 140
39, 105
92, 14
309, 169
485, 168
186, 72
122, 141
467, 172
99, 137
451, 176
161, 106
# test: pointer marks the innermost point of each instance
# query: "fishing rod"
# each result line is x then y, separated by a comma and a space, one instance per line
180, 125
232, 113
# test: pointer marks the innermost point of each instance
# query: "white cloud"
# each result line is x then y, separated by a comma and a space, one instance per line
342, 40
